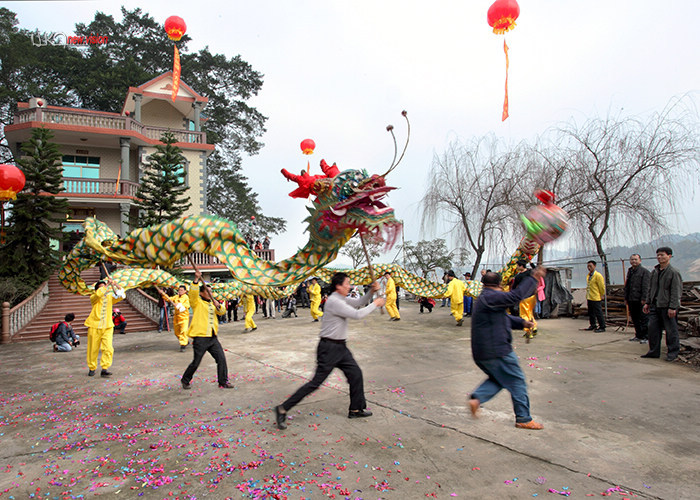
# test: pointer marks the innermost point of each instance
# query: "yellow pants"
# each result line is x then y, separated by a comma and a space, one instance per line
457, 310
249, 323
527, 312
99, 338
315, 311
391, 306
180, 330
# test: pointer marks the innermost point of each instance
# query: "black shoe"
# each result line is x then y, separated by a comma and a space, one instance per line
634, 339
185, 385
315, 321
105, 374
671, 358
643, 341
227, 385
359, 414
280, 418
460, 322
589, 329
182, 348
649, 355
91, 373
599, 330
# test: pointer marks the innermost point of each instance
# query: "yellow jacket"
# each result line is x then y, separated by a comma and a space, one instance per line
455, 291
315, 292
204, 313
101, 314
595, 286
390, 289
249, 304
182, 306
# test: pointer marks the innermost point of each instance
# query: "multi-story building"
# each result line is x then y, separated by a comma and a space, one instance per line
104, 153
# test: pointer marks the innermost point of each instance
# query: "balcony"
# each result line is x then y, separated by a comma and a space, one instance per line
77, 186
103, 120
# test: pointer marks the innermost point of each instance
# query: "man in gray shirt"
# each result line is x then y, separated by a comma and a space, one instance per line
332, 352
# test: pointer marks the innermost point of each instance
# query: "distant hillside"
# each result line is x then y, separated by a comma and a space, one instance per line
686, 258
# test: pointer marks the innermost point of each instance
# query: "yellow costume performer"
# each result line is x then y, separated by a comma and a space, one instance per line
181, 303
101, 327
527, 312
315, 297
455, 292
391, 298
249, 306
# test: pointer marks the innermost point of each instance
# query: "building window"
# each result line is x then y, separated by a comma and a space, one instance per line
85, 167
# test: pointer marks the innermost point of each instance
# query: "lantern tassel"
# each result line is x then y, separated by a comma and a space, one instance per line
505, 100
176, 73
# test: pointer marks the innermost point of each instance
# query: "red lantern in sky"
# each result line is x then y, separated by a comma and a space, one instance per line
11, 182
501, 17
308, 146
175, 27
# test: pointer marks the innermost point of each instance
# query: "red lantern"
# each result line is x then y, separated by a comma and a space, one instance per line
502, 15
308, 146
175, 27
11, 182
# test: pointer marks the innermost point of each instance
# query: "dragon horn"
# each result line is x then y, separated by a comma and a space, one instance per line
390, 129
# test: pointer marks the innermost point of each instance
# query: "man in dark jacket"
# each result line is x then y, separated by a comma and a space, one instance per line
662, 303
66, 338
636, 289
491, 345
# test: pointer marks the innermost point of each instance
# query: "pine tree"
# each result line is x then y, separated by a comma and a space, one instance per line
162, 192
36, 213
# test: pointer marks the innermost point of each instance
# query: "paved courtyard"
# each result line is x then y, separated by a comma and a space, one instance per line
614, 423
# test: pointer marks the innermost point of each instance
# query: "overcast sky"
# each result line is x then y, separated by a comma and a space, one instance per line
339, 72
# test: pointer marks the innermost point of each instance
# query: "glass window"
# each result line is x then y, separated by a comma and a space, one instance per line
81, 167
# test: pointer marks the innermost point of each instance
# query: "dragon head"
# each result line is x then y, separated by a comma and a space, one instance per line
351, 201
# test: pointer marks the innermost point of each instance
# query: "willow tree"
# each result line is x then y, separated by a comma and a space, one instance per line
624, 177
469, 190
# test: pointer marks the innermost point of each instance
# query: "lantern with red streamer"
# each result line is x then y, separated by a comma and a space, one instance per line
307, 148
501, 17
11, 182
175, 27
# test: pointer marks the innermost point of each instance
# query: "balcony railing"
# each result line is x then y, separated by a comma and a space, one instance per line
106, 120
78, 185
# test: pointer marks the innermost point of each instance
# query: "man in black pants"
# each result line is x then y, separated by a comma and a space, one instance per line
663, 302
332, 352
636, 290
204, 330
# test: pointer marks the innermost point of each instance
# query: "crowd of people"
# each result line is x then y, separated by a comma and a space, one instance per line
652, 298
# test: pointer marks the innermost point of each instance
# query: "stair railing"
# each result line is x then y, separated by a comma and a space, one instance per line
13, 320
143, 303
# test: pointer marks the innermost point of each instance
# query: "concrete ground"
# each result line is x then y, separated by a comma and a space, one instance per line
614, 423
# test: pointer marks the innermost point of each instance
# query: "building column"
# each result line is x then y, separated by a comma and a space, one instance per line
124, 211
197, 110
137, 107
125, 145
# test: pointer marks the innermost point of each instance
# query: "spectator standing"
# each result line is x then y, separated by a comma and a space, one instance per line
468, 299
636, 290
595, 293
233, 309
163, 311
662, 304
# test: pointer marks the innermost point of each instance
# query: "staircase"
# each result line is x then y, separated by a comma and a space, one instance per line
62, 302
